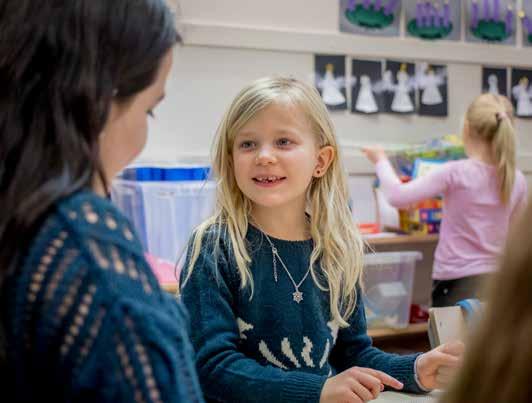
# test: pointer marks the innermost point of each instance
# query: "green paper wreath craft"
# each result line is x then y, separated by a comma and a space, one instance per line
369, 18
430, 32
489, 30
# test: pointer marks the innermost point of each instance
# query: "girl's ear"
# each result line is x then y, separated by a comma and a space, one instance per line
325, 157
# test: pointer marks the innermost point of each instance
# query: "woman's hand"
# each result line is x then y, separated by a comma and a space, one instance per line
374, 153
356, 385
436, 368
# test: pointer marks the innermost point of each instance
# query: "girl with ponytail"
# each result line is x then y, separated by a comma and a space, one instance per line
482, 196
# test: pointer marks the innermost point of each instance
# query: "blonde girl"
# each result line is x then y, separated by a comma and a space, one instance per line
481, 196
272, 279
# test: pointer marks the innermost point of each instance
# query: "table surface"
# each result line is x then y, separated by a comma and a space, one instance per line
396, 397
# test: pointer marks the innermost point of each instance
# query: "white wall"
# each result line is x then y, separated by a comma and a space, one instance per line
228, 43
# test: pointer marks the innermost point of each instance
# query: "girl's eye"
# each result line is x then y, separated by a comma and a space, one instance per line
284, 142
246, 144
151, 114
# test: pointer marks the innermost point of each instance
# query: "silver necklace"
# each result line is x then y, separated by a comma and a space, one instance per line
296, 295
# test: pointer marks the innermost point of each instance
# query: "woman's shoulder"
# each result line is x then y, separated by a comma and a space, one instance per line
86, 233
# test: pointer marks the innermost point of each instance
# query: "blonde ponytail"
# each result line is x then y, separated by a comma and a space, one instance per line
503, 145
490, 118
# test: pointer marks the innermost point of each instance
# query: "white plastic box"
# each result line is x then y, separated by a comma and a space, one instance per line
388, 283
165, 213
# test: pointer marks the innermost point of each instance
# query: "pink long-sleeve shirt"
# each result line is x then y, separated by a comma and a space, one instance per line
475, 222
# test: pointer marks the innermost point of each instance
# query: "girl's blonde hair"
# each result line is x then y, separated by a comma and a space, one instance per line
490, 118
338, 246
498, 361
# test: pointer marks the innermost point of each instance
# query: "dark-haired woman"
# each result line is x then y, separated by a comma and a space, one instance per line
82, 316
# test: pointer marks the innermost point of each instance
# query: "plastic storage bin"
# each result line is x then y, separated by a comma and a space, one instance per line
388, 282
165, 213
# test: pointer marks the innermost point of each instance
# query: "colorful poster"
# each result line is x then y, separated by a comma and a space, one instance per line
495, 80
491, 21
370, 17
431, 81
366, 91
399, 85
522, 92
330, 80
526, 22
433, 20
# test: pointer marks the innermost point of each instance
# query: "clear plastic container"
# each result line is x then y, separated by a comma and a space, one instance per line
165, 213
388, 282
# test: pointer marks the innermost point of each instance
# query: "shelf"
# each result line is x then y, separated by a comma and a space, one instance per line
416, 328
402, 239
206, 33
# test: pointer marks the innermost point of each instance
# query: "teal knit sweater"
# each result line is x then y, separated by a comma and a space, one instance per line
85, 319
269, 348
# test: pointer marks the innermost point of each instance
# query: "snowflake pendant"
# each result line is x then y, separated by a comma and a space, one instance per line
298, 296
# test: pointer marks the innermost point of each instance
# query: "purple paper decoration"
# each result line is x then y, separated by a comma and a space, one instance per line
474, 14
486, 4
509, 20
366, 4
419, 14
446, 14
428, 14
378, 5
436, 16
351, 5
527, 25
390, 7
496, 10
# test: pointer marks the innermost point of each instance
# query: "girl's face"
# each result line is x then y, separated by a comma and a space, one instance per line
275, 157
125, 132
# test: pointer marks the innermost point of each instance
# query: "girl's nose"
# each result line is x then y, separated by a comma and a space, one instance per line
265, 156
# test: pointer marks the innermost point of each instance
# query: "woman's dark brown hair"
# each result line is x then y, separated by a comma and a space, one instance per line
498, 361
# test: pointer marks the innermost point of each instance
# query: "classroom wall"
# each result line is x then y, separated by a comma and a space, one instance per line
228, 43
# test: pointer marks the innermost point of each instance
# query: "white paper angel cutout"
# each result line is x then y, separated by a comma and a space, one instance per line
493, 84
522, 94
331, 87
387, 82
429, 84
401, 100
366, 101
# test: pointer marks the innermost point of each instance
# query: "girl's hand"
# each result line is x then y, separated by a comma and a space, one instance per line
356, 385
436, 368
374, 153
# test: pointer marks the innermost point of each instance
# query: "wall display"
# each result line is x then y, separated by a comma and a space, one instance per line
398, 84
495, 80
522, 92
526, 22
433, 20
491, 21
366, 91
431, 81
330, 80
370, 17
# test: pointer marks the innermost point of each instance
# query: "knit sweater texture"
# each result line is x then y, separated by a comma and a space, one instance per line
267, 347
85, 319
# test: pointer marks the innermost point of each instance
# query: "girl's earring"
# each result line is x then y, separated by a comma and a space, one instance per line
318, 171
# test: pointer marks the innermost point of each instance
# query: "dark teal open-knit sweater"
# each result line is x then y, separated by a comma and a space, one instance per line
269, 348
85, 319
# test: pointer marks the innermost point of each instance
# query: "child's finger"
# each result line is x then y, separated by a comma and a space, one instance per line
361, 391
372, 383
384, 378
